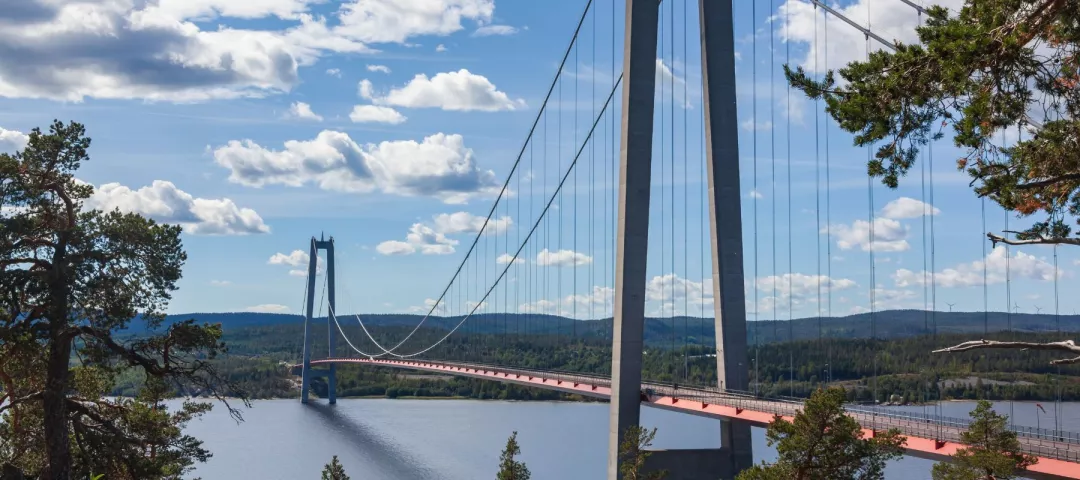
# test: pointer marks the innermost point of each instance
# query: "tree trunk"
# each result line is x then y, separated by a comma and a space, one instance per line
57, 441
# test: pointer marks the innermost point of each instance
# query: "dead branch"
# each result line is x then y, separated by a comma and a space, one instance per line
995, 239
1065, 345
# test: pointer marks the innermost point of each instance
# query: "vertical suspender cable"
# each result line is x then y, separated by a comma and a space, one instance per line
772, 154
817, 179
828, 207
791, 270
686, 192
754, 129
671, 187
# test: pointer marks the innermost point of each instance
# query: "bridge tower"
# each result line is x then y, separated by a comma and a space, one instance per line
725, 212
313, 269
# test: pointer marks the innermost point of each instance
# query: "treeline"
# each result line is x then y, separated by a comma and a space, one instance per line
903, 367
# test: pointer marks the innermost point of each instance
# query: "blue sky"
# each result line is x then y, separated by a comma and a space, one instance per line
392, 124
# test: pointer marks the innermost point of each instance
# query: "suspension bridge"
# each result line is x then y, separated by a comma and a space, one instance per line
631, 129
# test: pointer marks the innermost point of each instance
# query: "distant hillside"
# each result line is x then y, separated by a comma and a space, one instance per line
889, 324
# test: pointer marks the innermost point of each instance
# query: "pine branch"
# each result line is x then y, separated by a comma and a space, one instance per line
1065, 345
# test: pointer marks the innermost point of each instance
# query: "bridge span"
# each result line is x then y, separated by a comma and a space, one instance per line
934, 438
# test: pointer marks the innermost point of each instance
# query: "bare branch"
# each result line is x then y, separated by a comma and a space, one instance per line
995, 239
1065, 345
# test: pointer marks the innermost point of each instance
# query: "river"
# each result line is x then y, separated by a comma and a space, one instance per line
377, 439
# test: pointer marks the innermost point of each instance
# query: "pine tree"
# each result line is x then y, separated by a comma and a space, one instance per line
509, 468
992, 452
334, 471
990, 68
634, 452
824, 442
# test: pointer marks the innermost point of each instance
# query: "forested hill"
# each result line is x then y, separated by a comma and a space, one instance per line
889, 324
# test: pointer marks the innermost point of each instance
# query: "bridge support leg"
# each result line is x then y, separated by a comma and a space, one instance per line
305, 376
639, 84
725, 215
331, 299
313, 270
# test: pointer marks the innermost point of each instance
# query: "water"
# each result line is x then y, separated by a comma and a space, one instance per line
378, 439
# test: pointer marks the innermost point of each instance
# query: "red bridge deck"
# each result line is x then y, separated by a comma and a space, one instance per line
1058, 457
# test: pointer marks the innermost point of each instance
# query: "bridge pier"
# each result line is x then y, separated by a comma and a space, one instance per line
692, 464
313, 269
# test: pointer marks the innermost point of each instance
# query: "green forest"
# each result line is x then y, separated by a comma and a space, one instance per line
903, 366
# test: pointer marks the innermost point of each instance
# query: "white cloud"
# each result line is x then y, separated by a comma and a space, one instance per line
440, 48
440, 166
378, 68
439, 309
158, 51
1021, 266
464, 222
297, 258
506, 258
268, 308
433, 240
562, 258
303, 111
163, 202
12, 140
365, 89
889, 235
333, 72
376, 114
905, 207
748, 124
598, 302
756, 194
489, 30
220, 283
421, 238
890, 20
452, 91
470, 305
796, 289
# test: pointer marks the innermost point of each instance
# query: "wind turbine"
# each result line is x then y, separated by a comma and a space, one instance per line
1016, 307
1038, 310
950, 306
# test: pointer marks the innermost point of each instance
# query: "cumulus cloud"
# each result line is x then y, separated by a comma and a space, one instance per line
378, 68
333, 72
303, 111
795, 289
507, 258
12, 140
440, 166
163, 202
268, 308
420, 239
120, 49
489, 30
889, 235
1021, 266
749, 124
597, 303
433, 240
299, 259
890, 20
376, 114
905, 207
454, 91
465, 222
440, 48
562, 258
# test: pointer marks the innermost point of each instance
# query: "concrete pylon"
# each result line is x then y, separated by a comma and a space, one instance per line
639, 87
313, 269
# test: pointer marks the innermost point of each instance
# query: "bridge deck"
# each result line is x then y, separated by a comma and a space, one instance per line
1059, 455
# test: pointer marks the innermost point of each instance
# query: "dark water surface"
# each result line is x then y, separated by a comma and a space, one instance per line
380, 439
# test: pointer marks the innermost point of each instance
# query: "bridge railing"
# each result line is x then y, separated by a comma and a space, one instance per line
1061, 445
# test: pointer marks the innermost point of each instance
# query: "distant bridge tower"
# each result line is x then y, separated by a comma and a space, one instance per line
722, 150
313, 269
